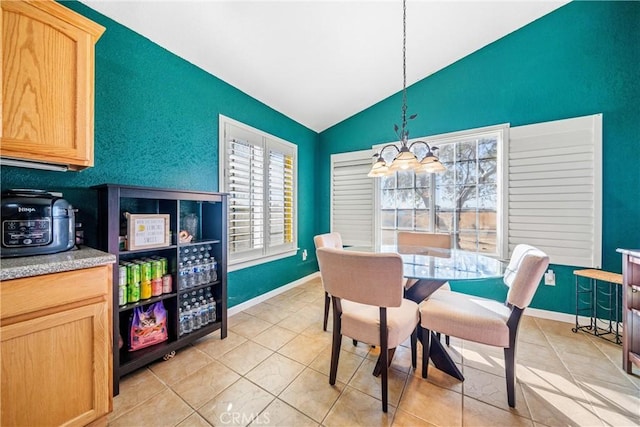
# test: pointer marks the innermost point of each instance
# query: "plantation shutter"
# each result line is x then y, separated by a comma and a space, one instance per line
352, 198
280, 199
555, 189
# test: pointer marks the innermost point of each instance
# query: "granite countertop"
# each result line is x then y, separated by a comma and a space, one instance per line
75, 259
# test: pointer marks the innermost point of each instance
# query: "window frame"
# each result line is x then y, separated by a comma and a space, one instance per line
256, 256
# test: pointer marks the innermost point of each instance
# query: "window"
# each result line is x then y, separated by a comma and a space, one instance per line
464, 201
258, 171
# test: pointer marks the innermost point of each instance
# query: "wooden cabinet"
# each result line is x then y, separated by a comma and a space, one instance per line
47, 83
204, 214
630, 309
56, 348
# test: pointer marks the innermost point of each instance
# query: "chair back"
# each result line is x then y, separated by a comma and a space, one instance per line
364, 277
523, 274
415, 238
328, 240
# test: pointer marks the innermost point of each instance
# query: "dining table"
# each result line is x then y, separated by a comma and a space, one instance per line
432, 268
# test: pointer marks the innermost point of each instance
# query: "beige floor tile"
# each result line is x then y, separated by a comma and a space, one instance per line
360, 349
595, 366
245, 357
239, 404
134, 389
364, 381
483, 357
296, 323
553, 327
405, 419
492, 389
439, 378
237, 318
355, 408
431, 403
304, 349
174, 370
165, 406
552, 407
476, 413
348, 363
216, 347
251, 327
275, 373
618, 405
315, 331
194, 420
274, 337
280, 414
202, 385
574, 344
311, 394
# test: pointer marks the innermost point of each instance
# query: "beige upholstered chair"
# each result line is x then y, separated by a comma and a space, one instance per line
487, 321
432, 240
368, 305
328, 240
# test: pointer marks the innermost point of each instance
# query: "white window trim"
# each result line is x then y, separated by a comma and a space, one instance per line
251, 259
436, 140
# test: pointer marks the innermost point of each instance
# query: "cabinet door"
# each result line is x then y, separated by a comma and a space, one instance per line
55, 368
47, 83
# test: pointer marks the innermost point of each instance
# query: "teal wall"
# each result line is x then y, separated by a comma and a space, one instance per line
156, 124
581, 59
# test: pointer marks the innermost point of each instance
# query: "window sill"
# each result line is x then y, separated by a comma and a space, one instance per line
240, 264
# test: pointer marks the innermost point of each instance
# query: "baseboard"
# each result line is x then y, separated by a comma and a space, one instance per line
554, 315
260, 298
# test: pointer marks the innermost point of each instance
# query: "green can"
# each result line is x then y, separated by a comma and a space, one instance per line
145, 271
133, 292
156, 269
133, 273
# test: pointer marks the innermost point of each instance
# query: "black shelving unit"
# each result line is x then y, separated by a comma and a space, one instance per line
210, 211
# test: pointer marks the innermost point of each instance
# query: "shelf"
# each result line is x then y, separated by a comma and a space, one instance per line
146, 250
146, 301
201, 242
195, 288
132, 360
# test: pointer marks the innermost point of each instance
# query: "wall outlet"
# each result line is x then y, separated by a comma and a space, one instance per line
304, 254
549, 278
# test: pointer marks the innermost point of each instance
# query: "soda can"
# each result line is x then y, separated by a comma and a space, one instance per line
156, 287
133, 294
165, 268
145, 290
156, 269
145, 271
122, 272
167, 284
122, 295
133, 274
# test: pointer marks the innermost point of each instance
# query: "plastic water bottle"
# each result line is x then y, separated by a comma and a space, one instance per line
191, 278
195, 315
214, 269
188, 320
211, 306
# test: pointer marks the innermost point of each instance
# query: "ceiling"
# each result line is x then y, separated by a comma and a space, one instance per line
321, 61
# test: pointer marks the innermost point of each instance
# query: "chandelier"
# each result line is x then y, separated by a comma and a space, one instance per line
405, 159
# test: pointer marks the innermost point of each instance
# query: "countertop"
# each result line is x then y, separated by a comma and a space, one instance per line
75, 259
632, 252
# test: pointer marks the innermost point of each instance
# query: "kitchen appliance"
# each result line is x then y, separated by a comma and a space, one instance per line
35, 222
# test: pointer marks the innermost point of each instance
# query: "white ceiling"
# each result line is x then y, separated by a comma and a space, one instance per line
321, 61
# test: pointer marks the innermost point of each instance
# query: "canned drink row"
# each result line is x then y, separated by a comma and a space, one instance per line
142, 279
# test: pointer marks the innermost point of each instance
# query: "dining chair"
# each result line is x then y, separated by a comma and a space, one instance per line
366, 289
328, 240
432, 240
487, 321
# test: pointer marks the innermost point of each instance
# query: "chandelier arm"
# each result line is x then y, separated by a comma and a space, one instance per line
429, 150
379, 153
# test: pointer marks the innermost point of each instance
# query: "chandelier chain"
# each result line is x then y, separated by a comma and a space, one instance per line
404, 71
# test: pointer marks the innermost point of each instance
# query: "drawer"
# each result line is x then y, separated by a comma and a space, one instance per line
31, 294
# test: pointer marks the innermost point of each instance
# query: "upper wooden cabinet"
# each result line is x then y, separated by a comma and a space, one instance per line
47, 83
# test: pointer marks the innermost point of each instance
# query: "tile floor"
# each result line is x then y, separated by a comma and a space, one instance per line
272, 369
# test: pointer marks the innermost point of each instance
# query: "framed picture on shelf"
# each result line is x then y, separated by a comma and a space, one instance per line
147, 231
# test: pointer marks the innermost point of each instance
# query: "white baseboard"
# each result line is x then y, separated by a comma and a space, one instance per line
260, 298
533, 312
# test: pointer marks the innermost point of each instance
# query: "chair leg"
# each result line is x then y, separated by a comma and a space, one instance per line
510, 373
384, 360
335, 347
327, 301
447, 340
414, 347
425, 339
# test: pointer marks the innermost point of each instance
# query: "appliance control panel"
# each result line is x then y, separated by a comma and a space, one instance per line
20, 233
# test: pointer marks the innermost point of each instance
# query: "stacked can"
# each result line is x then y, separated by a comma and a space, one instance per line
156, 277
133, 282
145, 279
122, 285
